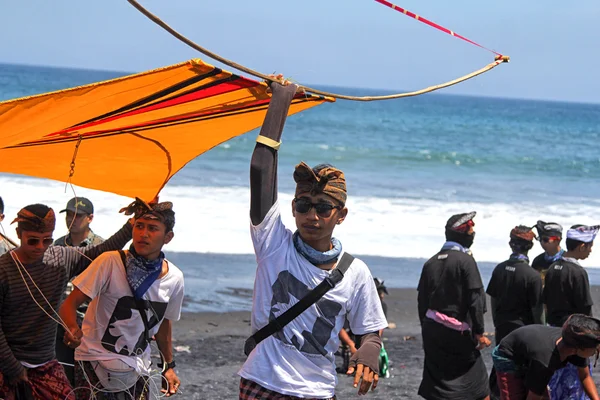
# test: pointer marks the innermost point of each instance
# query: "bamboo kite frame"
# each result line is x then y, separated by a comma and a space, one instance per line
269, 78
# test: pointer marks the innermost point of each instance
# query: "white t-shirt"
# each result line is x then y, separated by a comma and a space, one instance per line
300, 360
113, 327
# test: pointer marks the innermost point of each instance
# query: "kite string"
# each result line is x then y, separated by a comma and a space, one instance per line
269, 78
433, 24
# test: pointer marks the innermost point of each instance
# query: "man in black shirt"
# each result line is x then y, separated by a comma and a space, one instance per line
526, 359
566, 292
567, 288
516, 292
550, 235
515, 288
451, 304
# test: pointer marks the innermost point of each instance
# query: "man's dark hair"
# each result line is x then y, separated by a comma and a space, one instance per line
1, 206
573, 244
581, 331
169, 216
520, 245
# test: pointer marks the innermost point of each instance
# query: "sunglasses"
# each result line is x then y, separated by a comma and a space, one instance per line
548, 239
36, 241
323, 209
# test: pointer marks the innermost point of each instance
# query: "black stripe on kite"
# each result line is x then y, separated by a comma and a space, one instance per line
155, 96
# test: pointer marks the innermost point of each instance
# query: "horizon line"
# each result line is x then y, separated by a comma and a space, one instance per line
438, 93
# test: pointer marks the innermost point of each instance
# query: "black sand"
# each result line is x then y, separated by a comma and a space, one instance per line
215, 343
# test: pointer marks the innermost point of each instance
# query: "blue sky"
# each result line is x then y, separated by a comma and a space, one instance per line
358, 43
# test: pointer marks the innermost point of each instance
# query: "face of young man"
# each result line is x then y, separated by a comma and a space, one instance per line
78, 223
584, 250
33, 244
149, 236
316, 216
550, 244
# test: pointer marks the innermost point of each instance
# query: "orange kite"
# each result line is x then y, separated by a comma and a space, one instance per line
130, 135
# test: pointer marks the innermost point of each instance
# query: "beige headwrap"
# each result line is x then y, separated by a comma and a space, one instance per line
324, 179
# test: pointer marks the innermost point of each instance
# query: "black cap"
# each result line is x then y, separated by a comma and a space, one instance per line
380, 286
79, 205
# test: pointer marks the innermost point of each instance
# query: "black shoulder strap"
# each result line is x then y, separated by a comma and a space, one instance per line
311, 298
139, 303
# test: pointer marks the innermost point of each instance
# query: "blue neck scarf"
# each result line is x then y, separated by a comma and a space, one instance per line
450, 245
316, 257
555, 257
141, 273
518, 257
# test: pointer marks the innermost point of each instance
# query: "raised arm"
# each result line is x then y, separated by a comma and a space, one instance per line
263, 166
76, 259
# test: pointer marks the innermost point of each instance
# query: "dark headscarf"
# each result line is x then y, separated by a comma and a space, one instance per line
547, 229
323, 178
36, 218
457, 229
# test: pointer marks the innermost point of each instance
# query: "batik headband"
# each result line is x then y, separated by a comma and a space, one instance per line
328, 180
461, 223
548, 229
162, 212
585, 234
28, 221
522, 232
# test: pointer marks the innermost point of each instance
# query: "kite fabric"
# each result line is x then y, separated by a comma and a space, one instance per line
130, 135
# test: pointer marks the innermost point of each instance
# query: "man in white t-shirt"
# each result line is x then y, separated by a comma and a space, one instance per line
134, 296
298, 361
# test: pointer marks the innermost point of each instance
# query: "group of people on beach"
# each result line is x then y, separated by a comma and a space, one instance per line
307, 287
542, 313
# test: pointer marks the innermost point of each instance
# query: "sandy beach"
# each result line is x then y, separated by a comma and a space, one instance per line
209, 351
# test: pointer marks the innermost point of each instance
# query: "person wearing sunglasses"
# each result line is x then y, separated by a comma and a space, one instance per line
451, 303
550, 235
33, 278
527, 358
566, 292
515, 290
298, 360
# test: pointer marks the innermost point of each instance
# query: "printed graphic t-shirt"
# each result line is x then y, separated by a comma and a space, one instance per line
113, 326
299, 360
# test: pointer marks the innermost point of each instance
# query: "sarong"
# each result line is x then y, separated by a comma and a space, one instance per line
46, 382
250, 390
565, 384
510, 378
85, 379
454, 369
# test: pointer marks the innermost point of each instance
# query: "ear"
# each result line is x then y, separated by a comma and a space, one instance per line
90, 217
293, 209
1, 217
169, 237
342, 215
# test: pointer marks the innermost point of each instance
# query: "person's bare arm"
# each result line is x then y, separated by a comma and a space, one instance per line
68, 313
163, 337
588, 383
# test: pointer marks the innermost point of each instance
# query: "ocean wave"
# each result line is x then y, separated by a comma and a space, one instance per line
215, 219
